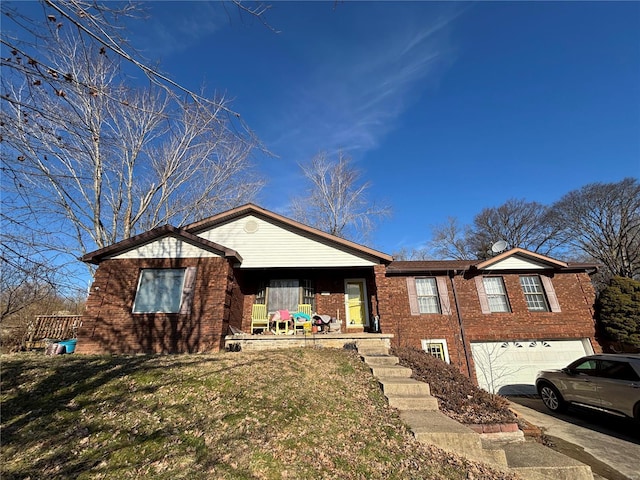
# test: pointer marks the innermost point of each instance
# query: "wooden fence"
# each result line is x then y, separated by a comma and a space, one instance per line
51, 327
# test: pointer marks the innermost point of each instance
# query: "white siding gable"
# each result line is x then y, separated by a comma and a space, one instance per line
166, 247
263, 244
517, 263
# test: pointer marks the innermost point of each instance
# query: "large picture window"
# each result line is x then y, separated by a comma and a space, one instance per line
285, 294
160, 290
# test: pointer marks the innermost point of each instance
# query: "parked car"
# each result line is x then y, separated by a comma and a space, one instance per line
605, 382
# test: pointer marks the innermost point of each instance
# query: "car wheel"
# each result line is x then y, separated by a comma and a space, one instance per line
636, 412
551, 397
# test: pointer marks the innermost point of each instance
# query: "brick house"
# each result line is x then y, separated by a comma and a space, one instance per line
173, 290
500, 320
210, 274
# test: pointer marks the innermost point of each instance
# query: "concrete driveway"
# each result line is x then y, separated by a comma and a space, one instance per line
610, 445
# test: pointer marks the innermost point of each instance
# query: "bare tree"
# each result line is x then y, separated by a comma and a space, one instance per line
450, 240
31, 284
337, 202
23, 282
89, 160
406, 253
519, 223
602, 220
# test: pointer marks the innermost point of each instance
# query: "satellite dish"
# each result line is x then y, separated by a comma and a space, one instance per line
499, 246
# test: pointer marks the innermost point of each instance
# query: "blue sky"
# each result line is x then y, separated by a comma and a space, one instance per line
446, 108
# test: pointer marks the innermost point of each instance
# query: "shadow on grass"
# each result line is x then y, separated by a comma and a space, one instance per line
50, 406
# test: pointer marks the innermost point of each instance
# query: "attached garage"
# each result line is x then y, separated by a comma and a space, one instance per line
510, 367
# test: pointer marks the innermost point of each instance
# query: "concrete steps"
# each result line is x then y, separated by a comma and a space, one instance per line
435, 428
419, 410
380, 360
390, 371
373, 349
411, 403
397, 386
533, 461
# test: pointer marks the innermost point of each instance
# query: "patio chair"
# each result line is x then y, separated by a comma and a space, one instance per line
259, 319
302, 318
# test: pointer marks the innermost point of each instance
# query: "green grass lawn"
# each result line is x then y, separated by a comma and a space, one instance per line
285, 414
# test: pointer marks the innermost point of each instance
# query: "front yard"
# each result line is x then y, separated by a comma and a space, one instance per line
304, 413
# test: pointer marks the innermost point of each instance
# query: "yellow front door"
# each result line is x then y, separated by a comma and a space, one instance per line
356, 306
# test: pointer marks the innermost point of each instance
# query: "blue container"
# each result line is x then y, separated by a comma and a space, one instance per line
69, 345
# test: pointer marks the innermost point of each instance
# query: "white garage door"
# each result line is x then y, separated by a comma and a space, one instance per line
511, 367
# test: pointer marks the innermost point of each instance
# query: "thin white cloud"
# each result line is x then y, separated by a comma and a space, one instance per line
181, 25
354, 96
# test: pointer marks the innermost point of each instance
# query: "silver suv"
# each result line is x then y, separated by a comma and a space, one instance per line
606, 382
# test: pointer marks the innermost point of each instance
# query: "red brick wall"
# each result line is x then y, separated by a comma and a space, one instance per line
574, 320
330, 297
109, 326
574, 291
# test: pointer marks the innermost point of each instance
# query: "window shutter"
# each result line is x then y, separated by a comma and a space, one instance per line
443, 294
554, 305
187, 290
413, 296
484, 303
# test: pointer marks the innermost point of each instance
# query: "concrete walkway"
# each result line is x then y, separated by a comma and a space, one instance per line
620, 454
419, 410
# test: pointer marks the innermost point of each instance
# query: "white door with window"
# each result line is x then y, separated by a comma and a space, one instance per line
510, 367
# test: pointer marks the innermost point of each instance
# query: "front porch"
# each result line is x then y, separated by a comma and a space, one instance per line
247, 342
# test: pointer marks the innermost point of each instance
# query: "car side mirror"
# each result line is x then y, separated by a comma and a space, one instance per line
569, 371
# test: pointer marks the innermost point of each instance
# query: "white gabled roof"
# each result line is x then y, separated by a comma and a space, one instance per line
162, 242
520, 259
268, 240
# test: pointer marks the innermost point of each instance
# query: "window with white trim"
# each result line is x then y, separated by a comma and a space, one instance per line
534, 293
427, 293
436, 347
496, 294
160, 290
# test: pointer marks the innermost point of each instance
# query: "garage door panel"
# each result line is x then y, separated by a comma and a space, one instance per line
510, 367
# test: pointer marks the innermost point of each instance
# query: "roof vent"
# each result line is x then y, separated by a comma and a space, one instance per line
251, 226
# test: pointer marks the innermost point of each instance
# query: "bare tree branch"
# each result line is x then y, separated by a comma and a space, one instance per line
337, 202
450, 241
602, 220
518, 222
101, 161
